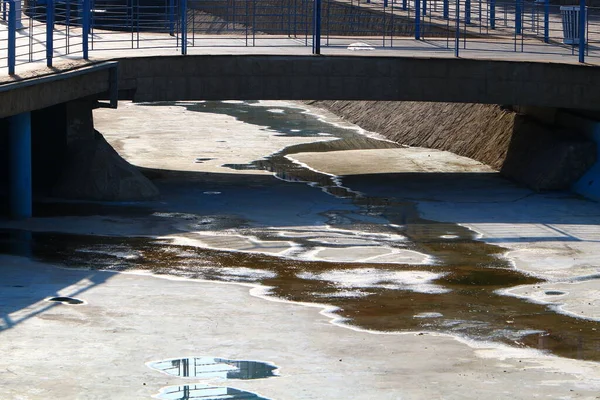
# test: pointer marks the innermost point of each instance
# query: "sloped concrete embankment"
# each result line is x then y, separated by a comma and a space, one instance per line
526, 146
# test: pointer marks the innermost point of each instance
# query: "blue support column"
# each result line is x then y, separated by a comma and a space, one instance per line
467, 11
85, 24
492, 6
317, 27
12, 37
49, 32
547, 21
582, 25
19, 131
417, 19
183, 10
446, 9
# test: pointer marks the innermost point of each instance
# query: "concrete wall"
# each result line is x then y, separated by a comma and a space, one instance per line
251, 77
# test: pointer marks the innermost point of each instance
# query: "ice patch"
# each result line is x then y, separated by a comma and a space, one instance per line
360, 46
428, 315
276, 110
365, 278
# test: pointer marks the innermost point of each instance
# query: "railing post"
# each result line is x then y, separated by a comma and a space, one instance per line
468, 11
85, 25
582, 23
457, 32
183, 4
446, 9
172, 17
385, 3
547, 21
404, 4
49, 31
417, 19
424, 7
518, 15
317, 27
492, 6
12, 36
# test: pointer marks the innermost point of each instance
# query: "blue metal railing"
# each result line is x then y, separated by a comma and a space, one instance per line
37, 30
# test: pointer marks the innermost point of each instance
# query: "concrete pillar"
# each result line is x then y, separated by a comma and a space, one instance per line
19, 130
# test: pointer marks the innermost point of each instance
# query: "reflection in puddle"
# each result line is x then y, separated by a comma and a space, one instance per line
209, 367
205, 392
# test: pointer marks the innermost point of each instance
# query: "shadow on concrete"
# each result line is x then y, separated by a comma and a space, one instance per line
25, 285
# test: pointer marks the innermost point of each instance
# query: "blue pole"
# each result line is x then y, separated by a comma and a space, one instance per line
49, 31
404, 4
87, 12
317, 27
547, 21
582, 23
385, 3
417, 19
172, 17
493, 14
518, 15
183, 4
12, 37
457, 32
467, 11
446, 9
19, 130
424, 7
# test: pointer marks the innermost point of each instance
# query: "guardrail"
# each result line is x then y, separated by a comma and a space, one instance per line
37, 30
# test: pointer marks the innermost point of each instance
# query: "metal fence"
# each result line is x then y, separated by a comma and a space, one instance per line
37, 30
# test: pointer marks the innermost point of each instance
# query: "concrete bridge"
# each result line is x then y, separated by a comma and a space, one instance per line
280, 77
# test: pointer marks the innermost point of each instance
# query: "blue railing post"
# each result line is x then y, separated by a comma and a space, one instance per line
457, 32
582, 24
12, 37
468, 11
547, 21
424, 7
172, 17
446, 9
518, 15
492, 6
404, 4
417, 19
49, 31
183, 4
85, 24
385, 3
317, 27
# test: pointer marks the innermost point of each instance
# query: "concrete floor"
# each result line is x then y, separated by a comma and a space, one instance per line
99, 349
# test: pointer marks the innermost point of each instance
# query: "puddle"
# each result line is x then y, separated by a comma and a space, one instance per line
205, 392
468, 271
66, 300
210, 367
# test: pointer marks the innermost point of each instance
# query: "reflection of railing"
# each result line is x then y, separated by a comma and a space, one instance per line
37, 30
